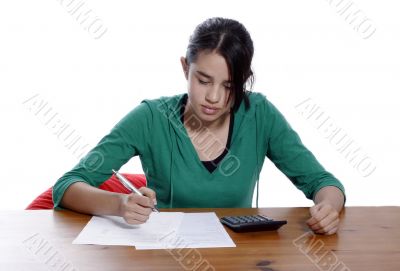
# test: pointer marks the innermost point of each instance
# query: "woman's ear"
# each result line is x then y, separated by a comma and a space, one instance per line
185, 67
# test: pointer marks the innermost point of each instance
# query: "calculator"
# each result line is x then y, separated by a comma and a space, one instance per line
247, 223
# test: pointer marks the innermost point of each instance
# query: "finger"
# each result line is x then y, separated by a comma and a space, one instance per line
316, 219
315, 209
149, 193
141, 200
137, 216
326, 222
311, 221
325, 229
317, 216
327, 208
332, 231
139, 210
313, 212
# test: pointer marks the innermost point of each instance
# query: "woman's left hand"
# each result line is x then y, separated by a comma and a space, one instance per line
324, 218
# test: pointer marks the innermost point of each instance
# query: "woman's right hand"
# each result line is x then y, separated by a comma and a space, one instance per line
136, 209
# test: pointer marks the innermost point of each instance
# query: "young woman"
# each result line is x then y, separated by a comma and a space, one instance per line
204, 148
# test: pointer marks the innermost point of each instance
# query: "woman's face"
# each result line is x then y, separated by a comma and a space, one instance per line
208, 86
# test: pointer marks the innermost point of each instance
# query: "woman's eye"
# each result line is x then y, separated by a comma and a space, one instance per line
203, 82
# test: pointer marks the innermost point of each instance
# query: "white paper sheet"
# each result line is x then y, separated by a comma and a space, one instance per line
165, 230
197, 230
113, 230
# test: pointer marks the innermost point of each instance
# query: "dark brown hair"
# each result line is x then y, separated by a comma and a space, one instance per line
230, 39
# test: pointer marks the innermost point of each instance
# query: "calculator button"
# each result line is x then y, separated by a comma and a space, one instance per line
232, 220
250, 219
264, 218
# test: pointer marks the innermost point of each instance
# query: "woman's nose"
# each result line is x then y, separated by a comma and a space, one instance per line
213, 95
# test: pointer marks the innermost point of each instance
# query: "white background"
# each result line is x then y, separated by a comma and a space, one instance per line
303, 50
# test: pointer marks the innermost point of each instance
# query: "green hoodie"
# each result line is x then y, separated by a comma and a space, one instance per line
154, 131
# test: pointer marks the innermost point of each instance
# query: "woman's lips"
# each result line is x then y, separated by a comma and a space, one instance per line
209, 110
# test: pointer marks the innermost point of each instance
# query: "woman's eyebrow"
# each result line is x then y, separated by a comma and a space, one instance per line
208, 76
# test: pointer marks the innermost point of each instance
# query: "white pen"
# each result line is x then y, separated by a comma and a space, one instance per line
131, 187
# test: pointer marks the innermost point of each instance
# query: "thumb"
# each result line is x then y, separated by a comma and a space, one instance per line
315, 209
313, 212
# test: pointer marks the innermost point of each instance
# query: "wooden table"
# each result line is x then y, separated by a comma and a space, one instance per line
368, 239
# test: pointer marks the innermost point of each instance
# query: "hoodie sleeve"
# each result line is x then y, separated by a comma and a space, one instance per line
291, 157
128, 138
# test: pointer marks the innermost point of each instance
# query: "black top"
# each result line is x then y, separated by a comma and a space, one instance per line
212, 165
